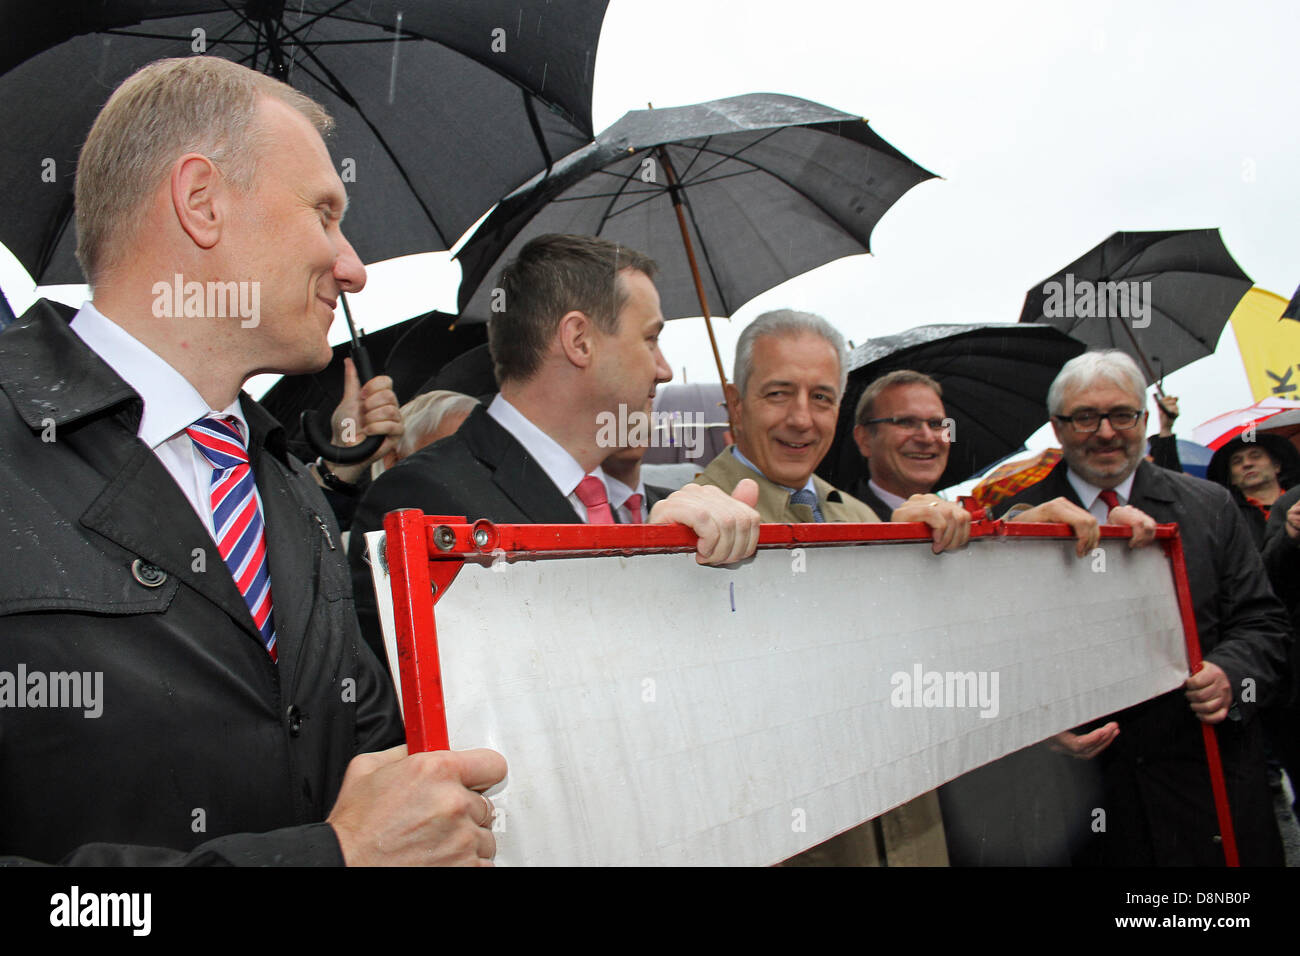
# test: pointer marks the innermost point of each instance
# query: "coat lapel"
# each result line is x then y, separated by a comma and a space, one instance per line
141, 508
515, 472
295, 534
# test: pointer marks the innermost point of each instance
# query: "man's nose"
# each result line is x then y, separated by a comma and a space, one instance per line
663, 371
1105, 429
348, 270
799, 412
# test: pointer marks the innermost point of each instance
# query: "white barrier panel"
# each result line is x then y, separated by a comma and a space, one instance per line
656, 712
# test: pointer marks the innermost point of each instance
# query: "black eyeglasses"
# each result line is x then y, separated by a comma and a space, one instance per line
910, 424
1121, 419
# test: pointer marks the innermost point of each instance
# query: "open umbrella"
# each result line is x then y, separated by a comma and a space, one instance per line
994, 377
731, 197
410, 352
1162, 297
442, 106
1276, 416
1014, 477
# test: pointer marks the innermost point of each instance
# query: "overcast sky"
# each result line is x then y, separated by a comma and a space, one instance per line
1052, 125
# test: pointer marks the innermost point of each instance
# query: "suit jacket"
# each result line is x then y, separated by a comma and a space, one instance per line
908, 835
205, 751
862, 491
774, 504
1152, 781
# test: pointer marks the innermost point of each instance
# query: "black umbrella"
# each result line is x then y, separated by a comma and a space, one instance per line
731, 197
442, 106
1162, 297
995, 379
411, 352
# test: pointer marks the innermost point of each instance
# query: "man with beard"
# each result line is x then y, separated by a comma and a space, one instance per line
1146, 765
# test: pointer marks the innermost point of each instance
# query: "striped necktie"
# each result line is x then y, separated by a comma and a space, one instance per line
237, 518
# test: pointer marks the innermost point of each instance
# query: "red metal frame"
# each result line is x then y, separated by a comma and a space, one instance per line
431, 549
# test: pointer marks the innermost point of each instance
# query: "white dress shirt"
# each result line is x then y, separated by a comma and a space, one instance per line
171, 404
1090, 494
561, 467
888, 497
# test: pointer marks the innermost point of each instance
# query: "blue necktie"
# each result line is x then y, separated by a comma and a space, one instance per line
805, 497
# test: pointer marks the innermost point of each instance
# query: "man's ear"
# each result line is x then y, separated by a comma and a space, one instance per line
732, 395
577, 335
1056, 430
196, 188
862, 438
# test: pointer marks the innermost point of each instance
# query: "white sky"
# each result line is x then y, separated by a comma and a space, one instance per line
1052, 125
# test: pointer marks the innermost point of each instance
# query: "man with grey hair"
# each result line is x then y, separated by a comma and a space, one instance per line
789, 378
1147, 763
175, 549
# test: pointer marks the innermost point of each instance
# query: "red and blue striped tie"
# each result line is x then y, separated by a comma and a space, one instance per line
236, 517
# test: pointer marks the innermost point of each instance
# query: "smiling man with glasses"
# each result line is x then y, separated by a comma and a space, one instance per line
903, 433
1149, 771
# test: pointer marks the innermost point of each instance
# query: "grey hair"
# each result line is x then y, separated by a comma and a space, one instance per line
786, 322
1110, 365
422, 416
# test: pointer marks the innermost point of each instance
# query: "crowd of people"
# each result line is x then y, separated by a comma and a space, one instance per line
172, 545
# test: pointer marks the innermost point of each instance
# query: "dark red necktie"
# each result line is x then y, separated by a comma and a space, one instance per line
1111, 499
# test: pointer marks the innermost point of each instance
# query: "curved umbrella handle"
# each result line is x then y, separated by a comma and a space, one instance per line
317, 431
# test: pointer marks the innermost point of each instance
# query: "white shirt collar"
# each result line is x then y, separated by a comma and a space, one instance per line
1089, 493
561, 467
619, 492
171, 403
888, 497
808, 485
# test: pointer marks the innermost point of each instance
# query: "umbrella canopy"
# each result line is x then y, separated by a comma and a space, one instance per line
1276, 416
411, 352
441, 107
771, 187
1014, 477
1162, 297
994, 377
1194, 458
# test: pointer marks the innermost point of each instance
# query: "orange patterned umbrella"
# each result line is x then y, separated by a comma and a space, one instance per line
1014, 477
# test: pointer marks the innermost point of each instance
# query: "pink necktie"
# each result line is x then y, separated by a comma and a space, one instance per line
591, 492
633, 505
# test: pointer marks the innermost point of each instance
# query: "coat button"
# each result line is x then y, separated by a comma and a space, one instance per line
150, 575
295, 720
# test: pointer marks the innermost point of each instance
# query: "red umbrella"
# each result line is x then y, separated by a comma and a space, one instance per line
1275, 416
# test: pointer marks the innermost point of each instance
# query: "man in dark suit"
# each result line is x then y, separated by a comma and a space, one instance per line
1148, 763
899, 426
173, 556
576, 342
